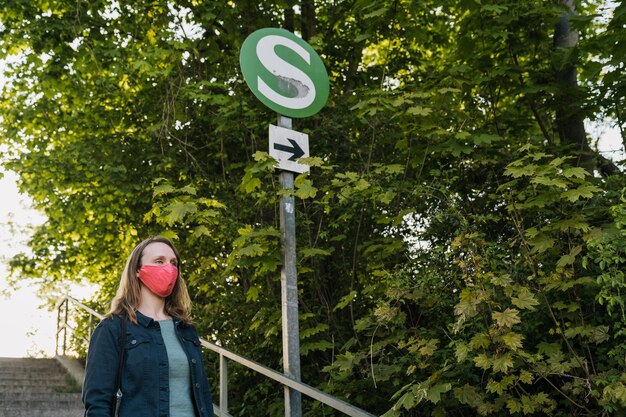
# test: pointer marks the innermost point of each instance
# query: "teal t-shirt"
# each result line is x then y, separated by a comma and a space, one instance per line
180, 376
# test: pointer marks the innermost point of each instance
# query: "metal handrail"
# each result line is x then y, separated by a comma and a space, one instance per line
224, 354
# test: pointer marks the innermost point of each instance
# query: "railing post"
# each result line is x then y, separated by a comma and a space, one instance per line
67, 307
223, 385
90, 325
56, 341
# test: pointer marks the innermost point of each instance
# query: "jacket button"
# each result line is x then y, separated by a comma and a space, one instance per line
193, 361
133, 342
197, 385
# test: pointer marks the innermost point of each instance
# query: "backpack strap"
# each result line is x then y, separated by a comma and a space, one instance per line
120, 363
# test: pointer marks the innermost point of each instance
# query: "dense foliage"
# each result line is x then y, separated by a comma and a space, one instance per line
460, 239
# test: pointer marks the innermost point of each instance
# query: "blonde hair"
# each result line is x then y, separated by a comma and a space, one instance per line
128, 297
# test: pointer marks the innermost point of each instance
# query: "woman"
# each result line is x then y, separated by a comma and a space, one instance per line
162, 371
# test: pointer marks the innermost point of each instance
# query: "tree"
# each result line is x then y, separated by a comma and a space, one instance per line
460, 242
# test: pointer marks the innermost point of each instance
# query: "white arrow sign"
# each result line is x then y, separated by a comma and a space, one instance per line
286, 146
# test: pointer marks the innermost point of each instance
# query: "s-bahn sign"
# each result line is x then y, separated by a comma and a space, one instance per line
284, 72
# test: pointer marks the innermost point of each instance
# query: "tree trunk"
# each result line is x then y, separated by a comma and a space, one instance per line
569, 115
289, 19
309, 22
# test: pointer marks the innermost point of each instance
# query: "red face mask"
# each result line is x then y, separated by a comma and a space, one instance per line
160, 279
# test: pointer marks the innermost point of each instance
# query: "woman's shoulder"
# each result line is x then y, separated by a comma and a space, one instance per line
111, 322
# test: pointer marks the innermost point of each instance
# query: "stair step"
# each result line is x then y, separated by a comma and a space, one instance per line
27, 374
36, 396
44, 383
37, 388
28, 404
29, 364
41, 412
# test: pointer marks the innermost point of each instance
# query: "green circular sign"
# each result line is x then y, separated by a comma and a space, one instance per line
284, 72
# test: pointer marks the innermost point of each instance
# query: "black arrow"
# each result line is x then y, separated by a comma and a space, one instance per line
295, 149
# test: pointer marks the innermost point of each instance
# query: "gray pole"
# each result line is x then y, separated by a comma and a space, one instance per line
289, 290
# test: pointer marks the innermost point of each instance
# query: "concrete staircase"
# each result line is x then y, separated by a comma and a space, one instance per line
37, 388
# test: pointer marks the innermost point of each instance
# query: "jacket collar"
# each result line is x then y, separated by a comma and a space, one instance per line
148, 322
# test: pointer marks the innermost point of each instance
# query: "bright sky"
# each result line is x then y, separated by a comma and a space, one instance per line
25, 329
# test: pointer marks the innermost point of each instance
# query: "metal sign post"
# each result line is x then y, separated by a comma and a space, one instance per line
289, 288
287, 75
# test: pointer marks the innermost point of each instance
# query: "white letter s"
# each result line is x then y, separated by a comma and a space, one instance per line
285, 71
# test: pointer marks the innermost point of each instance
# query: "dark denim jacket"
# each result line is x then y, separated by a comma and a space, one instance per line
145, 374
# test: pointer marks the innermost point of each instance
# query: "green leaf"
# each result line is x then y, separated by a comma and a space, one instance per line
575, 172
312, 252
517, 171
345, 300
483, 361
419, 111
493, 8
209, 202
615, 392
495, 387
250, 183
177, 210
320, 346
480, 340
541, 243
251, 250
387, 197
434, 393
391, 169
448, 90
305, 189
553, 182
503, 363
188, 189
524, 299
162, 189
513, 340
253, 294
312, 161
201, 231
428, 347
584, 191
375, 13
410, 400
305, 333
461, 351
507, 318
169, 234
526, 377
513, 405
468, 394
503, 280
485, 139
570, 258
